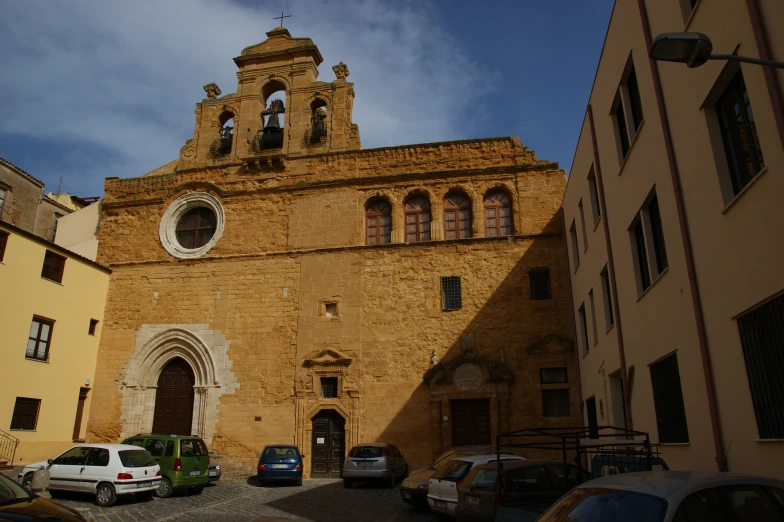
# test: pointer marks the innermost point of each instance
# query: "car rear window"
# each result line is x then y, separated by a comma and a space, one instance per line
482, 479
281, 453
136, 459
366, 452
599, 505
454, 471
192, 448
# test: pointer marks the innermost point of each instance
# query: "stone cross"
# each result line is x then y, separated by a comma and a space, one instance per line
281, 17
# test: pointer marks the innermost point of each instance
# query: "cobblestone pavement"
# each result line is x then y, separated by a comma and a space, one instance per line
317, 499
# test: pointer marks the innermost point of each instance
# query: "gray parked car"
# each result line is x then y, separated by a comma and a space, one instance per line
376, 461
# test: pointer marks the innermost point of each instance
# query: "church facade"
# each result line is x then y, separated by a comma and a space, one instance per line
277, 283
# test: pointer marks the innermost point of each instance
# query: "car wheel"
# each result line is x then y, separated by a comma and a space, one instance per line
27, 481
390, 482
145, 496
299, 481
104, 495
197, 490
165, 488
347, 483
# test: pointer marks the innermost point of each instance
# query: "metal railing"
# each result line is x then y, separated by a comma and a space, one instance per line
8, 444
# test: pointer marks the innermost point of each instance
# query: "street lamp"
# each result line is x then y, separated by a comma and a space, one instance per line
694, 49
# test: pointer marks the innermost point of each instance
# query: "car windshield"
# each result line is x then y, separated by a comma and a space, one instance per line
136, 459
192, 448
454, 471
366, 452
600, 505
11, 492
281, 453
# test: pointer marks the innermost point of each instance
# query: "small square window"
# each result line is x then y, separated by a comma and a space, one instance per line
329, 387
540, 283
452, 293
552, 375
93, 326
331, 309
555, 403
54, 265
25, 416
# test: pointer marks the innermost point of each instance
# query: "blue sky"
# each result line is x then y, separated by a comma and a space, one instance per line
101, 88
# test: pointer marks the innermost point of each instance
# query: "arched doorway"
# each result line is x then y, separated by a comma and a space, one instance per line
328, 445
174, 399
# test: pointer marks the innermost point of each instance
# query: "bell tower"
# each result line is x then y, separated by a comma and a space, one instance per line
279, 110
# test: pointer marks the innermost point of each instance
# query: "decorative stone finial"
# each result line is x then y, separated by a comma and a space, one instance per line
341, 71
212, 90
434, 359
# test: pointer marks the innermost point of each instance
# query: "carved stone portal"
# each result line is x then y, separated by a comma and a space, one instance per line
468, 376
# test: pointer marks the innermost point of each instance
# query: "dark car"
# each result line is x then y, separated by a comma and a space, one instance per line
280, 464
16, 503
414, 488
523, 490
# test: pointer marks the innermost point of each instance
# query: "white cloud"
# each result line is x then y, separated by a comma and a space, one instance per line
126, 75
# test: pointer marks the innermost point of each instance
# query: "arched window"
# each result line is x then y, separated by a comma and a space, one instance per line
378, 219
498, 214
457, 217
417, 219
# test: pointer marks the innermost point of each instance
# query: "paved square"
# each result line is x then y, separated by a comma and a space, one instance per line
317, 499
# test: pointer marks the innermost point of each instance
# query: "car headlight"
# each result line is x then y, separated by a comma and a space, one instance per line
422, 485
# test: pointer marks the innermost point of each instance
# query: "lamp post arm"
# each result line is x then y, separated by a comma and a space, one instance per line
757, 61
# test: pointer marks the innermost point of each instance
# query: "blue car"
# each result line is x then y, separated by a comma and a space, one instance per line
280, 464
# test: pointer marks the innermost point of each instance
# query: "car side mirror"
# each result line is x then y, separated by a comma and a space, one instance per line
49, 461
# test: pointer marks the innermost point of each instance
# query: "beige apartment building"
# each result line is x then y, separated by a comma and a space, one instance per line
51, 318
674, 218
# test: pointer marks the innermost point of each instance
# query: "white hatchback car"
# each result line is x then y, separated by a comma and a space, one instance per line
442, 489
672, 496
105, 470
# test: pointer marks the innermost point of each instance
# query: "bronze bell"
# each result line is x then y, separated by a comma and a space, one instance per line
318, 128
273, 123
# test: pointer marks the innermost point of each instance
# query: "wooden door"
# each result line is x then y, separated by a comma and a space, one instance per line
328, 446
470, 422
174, 399
79, 412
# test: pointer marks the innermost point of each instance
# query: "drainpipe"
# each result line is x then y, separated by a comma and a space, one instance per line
571, 314
696, 299
597, 168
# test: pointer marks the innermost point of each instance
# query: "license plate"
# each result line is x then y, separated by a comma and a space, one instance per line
143, 484
472, 500
439, 504
407, 496
213, 473
365, 465
195, 473
280, 466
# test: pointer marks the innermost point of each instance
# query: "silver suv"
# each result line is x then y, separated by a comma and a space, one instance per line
377, 461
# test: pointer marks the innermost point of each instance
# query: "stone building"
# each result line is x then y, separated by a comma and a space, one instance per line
279, 284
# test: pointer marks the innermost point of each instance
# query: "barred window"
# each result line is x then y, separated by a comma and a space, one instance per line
54, 264
457, 217
555, 403
451, 293
540, 283
762, 338
39, 339
25, 416
378, 219
668, 401
329, 387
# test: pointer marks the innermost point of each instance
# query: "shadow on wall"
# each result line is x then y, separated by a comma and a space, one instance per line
487, 381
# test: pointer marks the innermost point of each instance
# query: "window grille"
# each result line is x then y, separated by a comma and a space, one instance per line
451, 292
668, 401
25, 416
540, 283
762, 338
329, 387
555, 403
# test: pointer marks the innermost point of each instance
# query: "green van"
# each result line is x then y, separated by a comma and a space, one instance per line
183, 460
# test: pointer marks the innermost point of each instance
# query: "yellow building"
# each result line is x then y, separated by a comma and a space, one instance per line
674, 219
51, 317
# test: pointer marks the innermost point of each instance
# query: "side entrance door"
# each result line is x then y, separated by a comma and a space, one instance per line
328, 449
174, 399
470, 422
